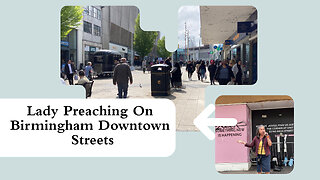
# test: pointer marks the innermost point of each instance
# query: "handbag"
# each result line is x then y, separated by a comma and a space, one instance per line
259, 158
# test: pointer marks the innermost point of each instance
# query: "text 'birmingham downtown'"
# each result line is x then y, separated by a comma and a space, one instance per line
103, 124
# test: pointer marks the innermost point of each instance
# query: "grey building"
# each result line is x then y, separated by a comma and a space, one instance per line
118, 24
89, 34
102, 27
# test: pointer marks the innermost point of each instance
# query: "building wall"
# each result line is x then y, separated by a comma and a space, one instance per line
94, 21
86, 39
228, 152
124, 16
105, 16
118, 27
204, 53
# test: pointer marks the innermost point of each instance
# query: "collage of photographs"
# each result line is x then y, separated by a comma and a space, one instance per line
104, 49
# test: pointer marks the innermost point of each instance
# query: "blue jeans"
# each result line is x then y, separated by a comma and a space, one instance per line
202, 73
265, 163
122, 90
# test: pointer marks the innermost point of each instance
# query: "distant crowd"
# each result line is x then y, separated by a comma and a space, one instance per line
226, 72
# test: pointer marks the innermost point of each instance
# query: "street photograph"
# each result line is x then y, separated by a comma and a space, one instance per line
263, 139
104, 49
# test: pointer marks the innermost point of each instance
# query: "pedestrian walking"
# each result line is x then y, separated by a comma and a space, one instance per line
144, 66
224, 73
88, 71
232, 62
238, 72
212, 68
121, 76
202, 70
176, 76
70, 71
198, 69
168, 62
149, 66
262, 143
190, 68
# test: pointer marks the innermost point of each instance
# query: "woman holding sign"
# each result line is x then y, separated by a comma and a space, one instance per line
262, 144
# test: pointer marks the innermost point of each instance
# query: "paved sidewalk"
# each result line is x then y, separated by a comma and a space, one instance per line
253, 170
189, 101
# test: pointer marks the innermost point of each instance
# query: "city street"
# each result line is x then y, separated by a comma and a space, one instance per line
189, 101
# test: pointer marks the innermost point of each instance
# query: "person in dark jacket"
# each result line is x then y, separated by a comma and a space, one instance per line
262, 143
70, 70
212, 68
224, 73
202, 70
168, 62
237, 70
121, 76
190, 68
176, 76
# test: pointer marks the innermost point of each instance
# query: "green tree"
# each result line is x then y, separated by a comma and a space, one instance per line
161, 48
143, 40
70, 19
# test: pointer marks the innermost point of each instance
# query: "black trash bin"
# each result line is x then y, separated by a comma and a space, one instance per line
160, 80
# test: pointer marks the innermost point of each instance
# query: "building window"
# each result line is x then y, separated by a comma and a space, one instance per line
98, 14
87, 27
95, 12
86, 9
97, 30
91, 10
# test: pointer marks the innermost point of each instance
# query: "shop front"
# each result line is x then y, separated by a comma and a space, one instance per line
121, 49
68, 47
88, 54
64, 51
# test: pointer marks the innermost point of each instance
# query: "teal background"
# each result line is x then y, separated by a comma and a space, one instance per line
288, 58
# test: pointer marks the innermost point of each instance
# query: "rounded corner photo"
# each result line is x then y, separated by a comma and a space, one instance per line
262, 142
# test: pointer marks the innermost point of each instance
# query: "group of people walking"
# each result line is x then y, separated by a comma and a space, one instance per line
225, 72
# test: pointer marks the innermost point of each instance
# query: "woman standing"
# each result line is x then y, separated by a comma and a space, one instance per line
176, 76
262, 144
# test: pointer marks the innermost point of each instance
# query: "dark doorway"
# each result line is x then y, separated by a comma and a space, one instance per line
278, 123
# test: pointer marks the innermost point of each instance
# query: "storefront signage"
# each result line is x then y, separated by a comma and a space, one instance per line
118, 48
231, 131
245, 27
92, 49
228, 42
238, 37
64, 43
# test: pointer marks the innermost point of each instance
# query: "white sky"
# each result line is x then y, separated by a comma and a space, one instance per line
190, 15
